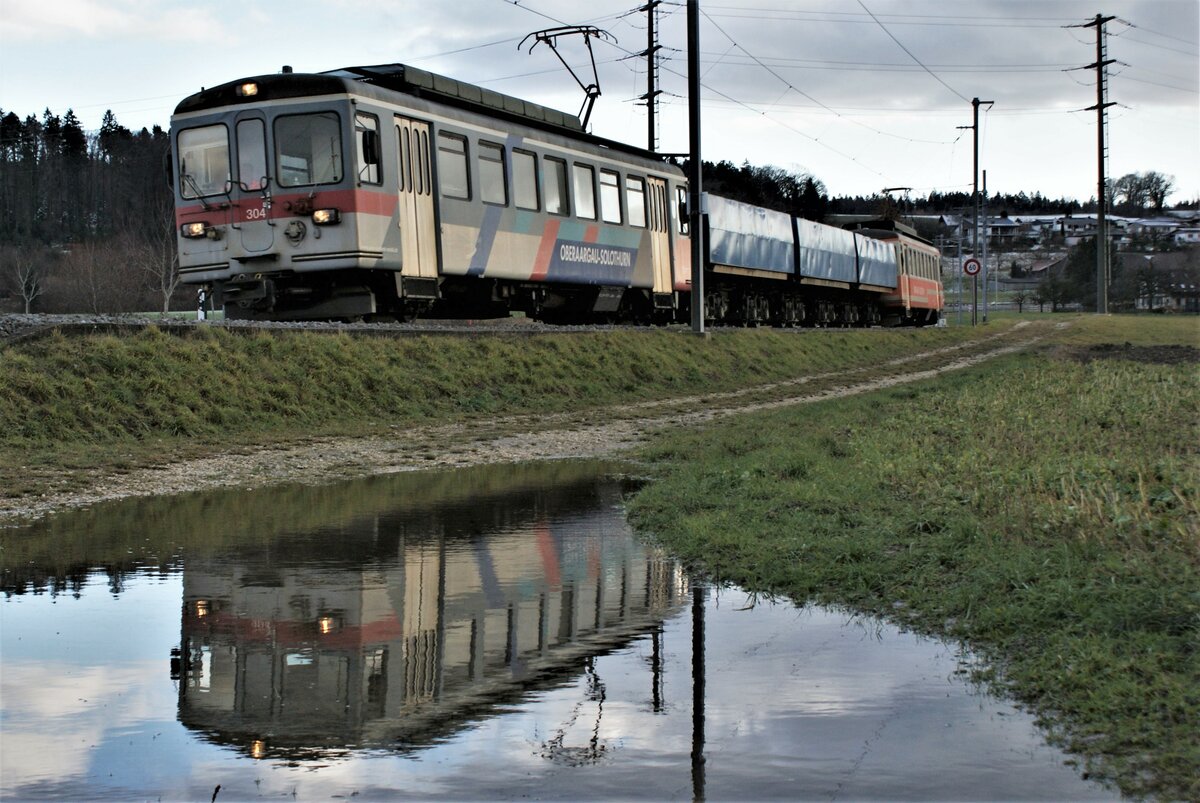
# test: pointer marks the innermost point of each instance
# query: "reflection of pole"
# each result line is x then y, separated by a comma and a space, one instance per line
656, 673
697, 693
441, 621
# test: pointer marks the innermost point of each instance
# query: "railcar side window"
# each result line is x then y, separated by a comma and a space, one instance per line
583, 179
308, 149
424, 180
252, 154
555, 186
452, 166
525, 184
635, 200
681, 199
404, 171
366, 139
610, 196
492, 186
203, 161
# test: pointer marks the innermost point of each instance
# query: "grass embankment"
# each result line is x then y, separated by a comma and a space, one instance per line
1043, 507
72, 405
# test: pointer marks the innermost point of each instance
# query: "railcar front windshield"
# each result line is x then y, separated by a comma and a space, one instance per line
308, 149
203, 161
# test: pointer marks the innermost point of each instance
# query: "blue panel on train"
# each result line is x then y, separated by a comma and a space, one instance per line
876, 261
592, 263
825, 252
745, 236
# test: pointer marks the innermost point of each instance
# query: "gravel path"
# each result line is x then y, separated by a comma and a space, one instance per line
597, 433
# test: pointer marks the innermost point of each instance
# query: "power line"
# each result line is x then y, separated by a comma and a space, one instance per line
786, 16
747, 106
1190, 89
517, 3
800, 92
867, 66
889, 16
1164, 35
1128, 38
911, 54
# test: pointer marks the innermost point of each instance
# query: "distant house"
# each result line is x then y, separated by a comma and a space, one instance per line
1001, 229
1165, 282
1075, 229
997, 230
1187, 236
1169, 298
1037, 226
1154, 227
1046, 267
1185, 217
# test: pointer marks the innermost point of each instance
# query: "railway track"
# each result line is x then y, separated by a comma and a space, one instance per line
15, 328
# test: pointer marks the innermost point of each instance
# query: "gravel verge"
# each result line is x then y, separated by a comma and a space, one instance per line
597, 433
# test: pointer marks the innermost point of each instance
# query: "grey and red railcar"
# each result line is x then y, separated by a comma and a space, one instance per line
392, 191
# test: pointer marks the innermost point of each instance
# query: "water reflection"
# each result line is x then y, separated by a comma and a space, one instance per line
397, 628
486, 634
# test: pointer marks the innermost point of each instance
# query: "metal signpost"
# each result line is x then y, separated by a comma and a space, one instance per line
971, 267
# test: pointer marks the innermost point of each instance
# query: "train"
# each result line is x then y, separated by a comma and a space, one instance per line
390, 192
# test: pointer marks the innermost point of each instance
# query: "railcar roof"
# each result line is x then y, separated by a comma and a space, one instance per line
411, 81
882, 228
394, 77
415, 81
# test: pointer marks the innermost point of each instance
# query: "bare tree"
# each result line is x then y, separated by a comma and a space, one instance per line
1141, 191
30, 274
101, 277
157, 255
1158, 187
1131, 189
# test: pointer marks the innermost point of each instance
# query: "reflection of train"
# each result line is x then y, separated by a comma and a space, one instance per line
389, 190
402, 627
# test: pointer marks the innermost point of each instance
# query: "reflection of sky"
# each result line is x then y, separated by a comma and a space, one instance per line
799, 704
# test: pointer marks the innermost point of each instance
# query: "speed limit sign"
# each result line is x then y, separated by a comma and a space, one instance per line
971, 266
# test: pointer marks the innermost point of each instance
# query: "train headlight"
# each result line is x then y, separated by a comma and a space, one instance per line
326, 217
248, 89
194, 231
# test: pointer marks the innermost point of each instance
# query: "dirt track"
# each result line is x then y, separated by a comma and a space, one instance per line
596, 433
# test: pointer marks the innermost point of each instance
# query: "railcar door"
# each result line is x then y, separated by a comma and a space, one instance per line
418, 230
660, 234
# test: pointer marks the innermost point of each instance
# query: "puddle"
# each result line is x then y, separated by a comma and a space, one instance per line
494, 633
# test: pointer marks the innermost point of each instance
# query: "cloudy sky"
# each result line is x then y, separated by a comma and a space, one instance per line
863, 95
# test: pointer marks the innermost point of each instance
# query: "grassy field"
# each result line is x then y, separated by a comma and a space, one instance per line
73, 404
1045, 508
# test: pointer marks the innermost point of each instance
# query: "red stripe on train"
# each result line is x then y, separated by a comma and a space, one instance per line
541, 265
248, 210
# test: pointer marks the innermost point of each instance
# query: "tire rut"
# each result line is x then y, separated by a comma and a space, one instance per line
599, 433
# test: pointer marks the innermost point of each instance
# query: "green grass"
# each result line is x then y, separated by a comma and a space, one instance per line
72, 403
1044, 509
